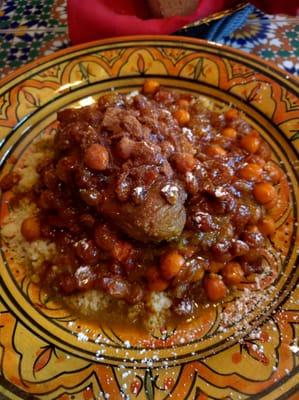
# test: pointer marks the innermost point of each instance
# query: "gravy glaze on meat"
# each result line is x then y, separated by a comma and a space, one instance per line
154, 192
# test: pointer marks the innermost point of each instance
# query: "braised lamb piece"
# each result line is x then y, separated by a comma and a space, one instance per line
151, 219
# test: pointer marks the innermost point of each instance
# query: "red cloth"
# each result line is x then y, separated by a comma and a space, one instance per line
95, 19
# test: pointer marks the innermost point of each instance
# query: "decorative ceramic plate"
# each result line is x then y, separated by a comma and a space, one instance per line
46, 352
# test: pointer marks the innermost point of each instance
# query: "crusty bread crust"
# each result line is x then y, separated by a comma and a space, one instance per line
169, 8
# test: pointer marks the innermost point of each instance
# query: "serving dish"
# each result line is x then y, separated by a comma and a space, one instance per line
48, 353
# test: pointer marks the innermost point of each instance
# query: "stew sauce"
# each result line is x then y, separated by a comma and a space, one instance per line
154, 192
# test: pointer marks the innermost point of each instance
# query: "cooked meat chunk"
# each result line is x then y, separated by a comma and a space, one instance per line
153, 219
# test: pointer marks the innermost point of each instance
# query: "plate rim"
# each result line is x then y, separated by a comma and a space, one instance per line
143, 38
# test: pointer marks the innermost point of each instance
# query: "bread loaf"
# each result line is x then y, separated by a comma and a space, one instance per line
169, 8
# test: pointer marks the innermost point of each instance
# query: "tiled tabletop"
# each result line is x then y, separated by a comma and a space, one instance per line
32, 28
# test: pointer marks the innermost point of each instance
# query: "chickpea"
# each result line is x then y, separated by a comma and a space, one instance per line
215, 150
158, 285
183, 104
150, 86
96, 157
231, 114
30, 229
182, 116
251, 172
214, 287
155, 282
171, 263
250, 142
266, 225
264, 192
273, 171
229, 132
184, 162
232, 273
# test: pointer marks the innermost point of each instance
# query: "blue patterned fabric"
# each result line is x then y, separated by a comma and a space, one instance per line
218, 29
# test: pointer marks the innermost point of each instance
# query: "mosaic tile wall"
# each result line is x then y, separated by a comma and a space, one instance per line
30, 29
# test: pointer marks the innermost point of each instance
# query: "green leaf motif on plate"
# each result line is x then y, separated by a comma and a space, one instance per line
295, 136
149, 385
